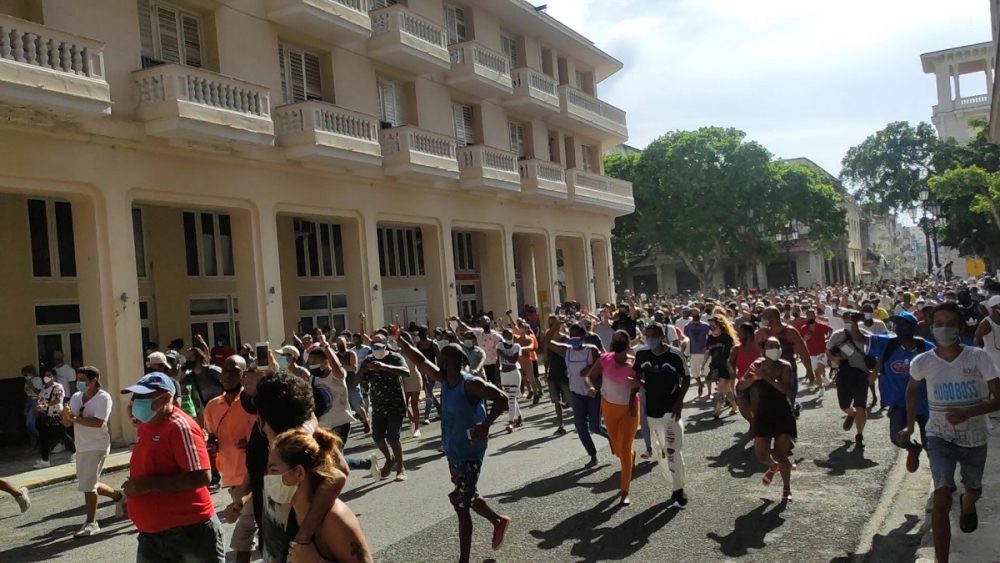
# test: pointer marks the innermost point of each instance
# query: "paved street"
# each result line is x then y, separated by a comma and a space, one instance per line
563, 513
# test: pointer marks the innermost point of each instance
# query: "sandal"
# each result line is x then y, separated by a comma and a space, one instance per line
768, 477
967, 522
786, 496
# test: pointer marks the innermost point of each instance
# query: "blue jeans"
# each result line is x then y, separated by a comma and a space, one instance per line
643, 421
30, 415
197, 543
587, 419
945, 457
897, 422
429, 399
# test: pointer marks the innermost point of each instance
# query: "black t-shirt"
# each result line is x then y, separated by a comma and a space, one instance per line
256, 462
556, 367
384, 387
720, 354
664, 375
592, 338
625, 323
971, 317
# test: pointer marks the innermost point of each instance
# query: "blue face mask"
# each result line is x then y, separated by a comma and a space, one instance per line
81, 386
142, 409
282, 362
575, 341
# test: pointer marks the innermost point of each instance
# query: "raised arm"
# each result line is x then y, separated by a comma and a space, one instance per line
362, 325
423, 365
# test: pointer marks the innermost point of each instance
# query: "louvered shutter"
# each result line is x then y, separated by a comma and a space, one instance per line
454, 19
313, 77
191, 33
146, 30
509, 45
516, 138
387, 101
167, 35
296, 77
464, 133
588, 163
283, 71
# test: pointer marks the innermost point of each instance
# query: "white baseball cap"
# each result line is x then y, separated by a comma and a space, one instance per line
993, 302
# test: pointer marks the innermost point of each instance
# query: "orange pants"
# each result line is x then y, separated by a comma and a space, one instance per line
622, 427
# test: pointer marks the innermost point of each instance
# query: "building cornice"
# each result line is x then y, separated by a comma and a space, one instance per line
956, 54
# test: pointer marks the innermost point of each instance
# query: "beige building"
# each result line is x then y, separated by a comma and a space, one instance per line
956, 112
246, 168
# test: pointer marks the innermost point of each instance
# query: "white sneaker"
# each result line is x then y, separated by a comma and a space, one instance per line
41, 464
416, 433
72, 458
58, 448
88, 529
24, 501
375, 469
120, 506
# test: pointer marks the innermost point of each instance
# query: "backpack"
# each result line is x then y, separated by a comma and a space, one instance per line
322, 398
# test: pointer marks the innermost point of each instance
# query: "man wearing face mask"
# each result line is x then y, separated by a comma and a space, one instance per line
229, 425
487, 339
167, 489
509, 353
847, 346
963, 386
579, 357
383, 370
475, 354
971, 317
696, 332
556, 374
287, 357
988, 332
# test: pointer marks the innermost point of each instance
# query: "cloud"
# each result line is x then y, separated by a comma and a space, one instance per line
805, 78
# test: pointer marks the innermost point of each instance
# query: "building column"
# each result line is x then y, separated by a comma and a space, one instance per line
109, 297
258, 274
958, 84
761, 274
366, 247
357, 266
589, 276
574, 266
526, 264
549, 272
439, 273
494, 276
943, 76
603, 282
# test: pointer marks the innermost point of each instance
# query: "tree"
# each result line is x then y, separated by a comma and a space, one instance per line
891, 167
627, 246
965, 181
707, 195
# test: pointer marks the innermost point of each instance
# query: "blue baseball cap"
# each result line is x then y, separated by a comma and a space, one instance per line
904, 316
151, 383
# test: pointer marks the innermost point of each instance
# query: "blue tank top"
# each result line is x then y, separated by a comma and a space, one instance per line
457, 417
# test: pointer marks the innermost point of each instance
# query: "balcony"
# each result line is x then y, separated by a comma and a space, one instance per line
405, 40
486, 169
42, 67
600, 193
534, 93
337, 21
412, 152
478, 71
180, 102
542, 181
324, 134
581, 111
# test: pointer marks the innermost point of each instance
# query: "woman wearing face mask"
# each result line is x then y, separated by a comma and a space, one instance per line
325, 371
578, 358
721, 338
88, 412
298, 463
619, 404
773, 423
50, 429
509, 354
286, 358
740, 359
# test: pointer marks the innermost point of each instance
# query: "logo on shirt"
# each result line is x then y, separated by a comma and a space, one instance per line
960, 391
901, 367
156, 437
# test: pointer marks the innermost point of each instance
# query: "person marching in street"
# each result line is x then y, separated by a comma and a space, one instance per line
721, 339
525, 338
50, 429
696, 332
847, 346
619, 404
987, 334
741, 359
509, 354
20, 494
963, 386
792, 345
465, 430
662, 371
430, 349
579, 358
773, 424
383, 370
487, 339
88, 411
556, 374
816, 332
893, 355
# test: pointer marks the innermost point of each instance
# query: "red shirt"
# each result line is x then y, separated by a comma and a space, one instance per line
815, 336
175, 445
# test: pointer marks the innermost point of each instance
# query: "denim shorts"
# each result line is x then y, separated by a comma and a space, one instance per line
945, 456
197, 543
354, 398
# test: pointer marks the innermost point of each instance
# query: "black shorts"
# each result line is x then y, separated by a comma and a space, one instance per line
386, 426
465, 476
852, 387
559, 391
493, 373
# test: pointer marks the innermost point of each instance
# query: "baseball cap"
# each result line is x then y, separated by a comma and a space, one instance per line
904, 316
288, 350
993, 302
151, 383
156, 358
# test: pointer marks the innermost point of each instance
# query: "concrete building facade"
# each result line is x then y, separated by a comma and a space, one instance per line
956, 111
244, 169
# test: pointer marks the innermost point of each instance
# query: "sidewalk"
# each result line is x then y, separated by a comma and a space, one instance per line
16, 466
983, 545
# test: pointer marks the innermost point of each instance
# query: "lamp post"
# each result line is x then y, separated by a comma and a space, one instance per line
929, 222
787, 236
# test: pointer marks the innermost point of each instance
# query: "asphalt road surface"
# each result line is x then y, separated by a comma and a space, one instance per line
561, 512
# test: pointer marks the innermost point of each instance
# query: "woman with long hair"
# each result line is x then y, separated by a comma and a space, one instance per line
721, 339
740, 359
298, 463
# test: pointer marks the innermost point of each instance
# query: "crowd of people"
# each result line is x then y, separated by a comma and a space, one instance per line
270, 425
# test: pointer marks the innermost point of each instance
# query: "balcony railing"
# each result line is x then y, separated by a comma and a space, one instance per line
406, 40
337, 21
472, 52
542, 180
58, 64
478, 71
410, 150
486, 167
398, 18
320, 116
577, 103
594, 190
531, 78
974, 100
534, 93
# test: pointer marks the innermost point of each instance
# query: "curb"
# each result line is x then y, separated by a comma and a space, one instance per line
36, 479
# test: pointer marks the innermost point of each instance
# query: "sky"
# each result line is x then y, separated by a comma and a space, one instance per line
805, 78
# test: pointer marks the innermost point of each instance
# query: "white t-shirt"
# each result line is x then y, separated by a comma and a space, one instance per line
836, 323
340, 411
88, 438
878, 327
66, 376
960, 383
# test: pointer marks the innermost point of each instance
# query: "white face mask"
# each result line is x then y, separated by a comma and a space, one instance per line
380, 354
772, 353
277, 490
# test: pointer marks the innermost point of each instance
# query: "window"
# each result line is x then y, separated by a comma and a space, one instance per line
388, 102
319, 249
170, 35
57, 327
464, 252
454, 22
327, 310
208, 244
584, 82
378, 4
139, 240
400, 252
468, 300
587, 153
300, 74
146, 321
50, 229
509, 46
516, 138
214, 318
464, 132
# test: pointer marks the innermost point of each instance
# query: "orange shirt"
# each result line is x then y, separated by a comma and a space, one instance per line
231, 425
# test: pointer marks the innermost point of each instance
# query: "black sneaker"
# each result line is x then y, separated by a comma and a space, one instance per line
967, 522
678, 499
560, 431
859, 441
797, 410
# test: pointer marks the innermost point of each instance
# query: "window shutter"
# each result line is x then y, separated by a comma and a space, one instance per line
377, 4
588, 164
283, 71
296, 75
387, 101
146, 29
313, 77
191, 32
454, 19
516, 138
167, 34
464, 133
509, 45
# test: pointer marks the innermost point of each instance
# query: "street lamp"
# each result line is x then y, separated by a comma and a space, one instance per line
929, 223
787, 236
